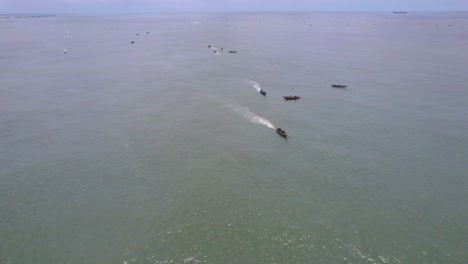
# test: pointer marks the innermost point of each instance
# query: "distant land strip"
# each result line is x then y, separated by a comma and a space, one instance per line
2, 16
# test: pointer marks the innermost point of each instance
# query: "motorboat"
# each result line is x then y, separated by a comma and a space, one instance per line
281, 132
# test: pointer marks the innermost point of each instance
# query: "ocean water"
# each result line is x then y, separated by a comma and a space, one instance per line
163, 151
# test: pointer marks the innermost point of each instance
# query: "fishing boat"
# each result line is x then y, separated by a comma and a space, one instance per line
262, 92
339, 86
291, 97
281, 132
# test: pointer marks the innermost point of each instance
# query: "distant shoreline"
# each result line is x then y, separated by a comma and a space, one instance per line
17, 16
12, 16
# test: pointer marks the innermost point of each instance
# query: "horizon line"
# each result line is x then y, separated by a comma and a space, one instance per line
227, 11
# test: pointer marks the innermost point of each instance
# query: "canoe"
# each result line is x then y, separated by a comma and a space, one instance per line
339, 86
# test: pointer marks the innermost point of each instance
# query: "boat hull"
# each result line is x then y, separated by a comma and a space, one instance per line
281, 132
291, 97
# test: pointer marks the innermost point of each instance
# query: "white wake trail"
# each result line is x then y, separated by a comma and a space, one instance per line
250, 116
256, 85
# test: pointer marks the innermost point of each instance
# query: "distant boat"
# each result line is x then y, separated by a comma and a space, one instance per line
291, 97
232, 51
262, 92
339, 86
281, 132
132, 42
399, 12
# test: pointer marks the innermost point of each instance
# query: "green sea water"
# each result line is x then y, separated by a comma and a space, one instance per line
163, 151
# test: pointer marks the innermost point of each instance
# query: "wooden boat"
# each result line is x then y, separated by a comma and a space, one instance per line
339, 86
262, 92
291, 97
281, 132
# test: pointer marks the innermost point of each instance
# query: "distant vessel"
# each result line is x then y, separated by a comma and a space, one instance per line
262, 92
339, 86
399, 12
232, 51
281, 132
291, 97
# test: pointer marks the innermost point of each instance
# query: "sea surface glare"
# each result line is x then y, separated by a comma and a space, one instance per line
164, 151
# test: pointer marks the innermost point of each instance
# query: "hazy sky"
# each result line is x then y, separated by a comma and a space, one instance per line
119, 6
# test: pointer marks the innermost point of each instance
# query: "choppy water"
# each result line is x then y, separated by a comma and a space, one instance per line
163, 151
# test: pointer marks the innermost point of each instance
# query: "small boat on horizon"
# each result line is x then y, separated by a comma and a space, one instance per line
232, 51
339, 86
291, 97
262, 92
281, 132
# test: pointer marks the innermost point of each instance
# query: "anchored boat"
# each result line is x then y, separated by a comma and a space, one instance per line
291, 97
